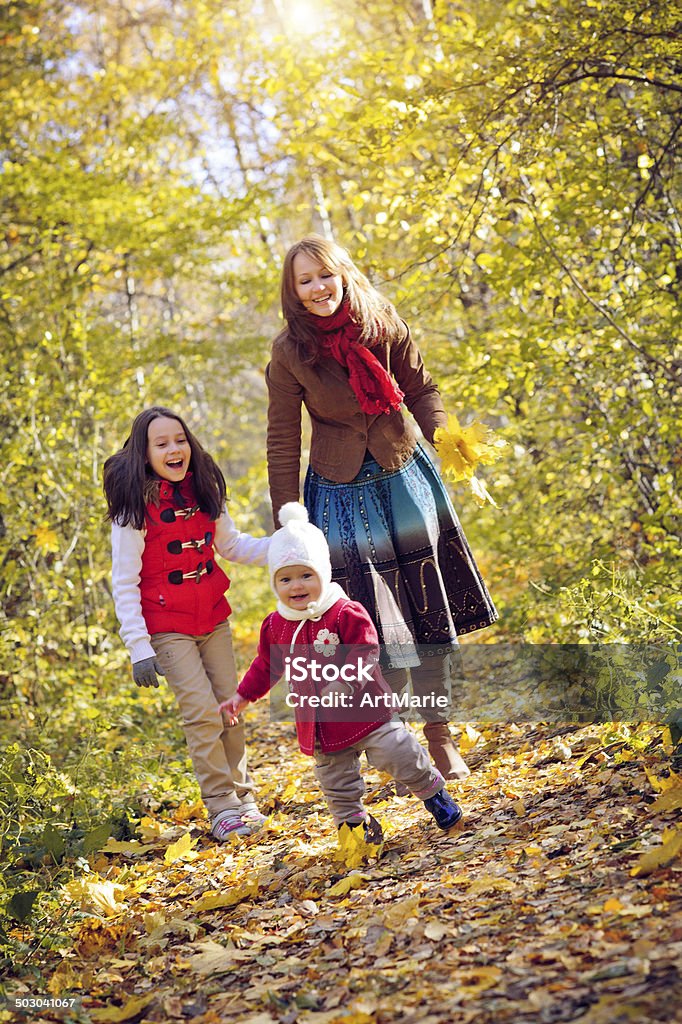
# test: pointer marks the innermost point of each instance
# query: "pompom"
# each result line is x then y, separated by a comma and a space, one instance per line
293, 512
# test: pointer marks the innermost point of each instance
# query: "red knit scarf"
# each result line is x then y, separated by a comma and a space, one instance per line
374, 388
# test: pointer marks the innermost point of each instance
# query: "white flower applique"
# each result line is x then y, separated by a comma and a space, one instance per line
326, 643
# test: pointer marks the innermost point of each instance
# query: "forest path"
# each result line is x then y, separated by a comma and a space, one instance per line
558, 900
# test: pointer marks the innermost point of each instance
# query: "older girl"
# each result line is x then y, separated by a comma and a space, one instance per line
166, 503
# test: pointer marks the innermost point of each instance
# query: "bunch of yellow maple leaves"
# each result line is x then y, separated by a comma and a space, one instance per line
463, 449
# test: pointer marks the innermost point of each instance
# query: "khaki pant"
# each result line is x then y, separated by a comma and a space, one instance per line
202, 674
391, 748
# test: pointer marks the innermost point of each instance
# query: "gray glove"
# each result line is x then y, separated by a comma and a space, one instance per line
144, 672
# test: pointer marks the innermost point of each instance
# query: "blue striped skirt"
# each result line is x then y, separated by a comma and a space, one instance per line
398, 548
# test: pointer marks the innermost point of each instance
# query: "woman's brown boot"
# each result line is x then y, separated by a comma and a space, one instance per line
443, 751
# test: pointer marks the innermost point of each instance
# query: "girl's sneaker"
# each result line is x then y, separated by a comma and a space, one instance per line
444, 809
228, 823
251, 816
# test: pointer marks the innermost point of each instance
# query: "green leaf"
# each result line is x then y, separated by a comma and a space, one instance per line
20, 906
53, 842
96, 839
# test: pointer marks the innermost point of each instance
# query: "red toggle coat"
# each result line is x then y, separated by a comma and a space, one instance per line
189, 607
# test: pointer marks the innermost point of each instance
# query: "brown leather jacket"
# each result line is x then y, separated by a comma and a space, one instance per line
341, 431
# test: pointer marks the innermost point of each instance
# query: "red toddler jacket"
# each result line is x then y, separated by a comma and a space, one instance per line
181, 586
346, 624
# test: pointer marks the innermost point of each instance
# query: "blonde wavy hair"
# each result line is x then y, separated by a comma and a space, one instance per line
375, 315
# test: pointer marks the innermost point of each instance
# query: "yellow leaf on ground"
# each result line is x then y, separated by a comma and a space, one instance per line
132, 848
96, 937
489, 882
396, 915
383, 943
612, 906
212, 958
258, 1018
95, 893
353, 848
151, 829
176, 926
230, 898
662, 783
614, 1007
182, 850
113, 1014
354, 1017
477, 979
155, 919
188, 812
670, 800
660, 855
64, 979
352, 881
468, 739
435, 930
291, 790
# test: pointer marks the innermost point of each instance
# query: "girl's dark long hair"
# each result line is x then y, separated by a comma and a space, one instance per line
376, 316
129, 483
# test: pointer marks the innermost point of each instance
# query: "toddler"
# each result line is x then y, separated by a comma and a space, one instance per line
315, 620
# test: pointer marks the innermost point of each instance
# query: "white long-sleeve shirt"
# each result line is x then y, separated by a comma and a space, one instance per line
127, 548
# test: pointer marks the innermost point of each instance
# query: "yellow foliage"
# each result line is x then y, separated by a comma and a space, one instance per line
469, 738
663, 783
64, 979
97, 894
352, 881
132, 1008
233, 896
189, 812
354, 849
150, 829
669, 800
399, 913
182, 850
462, 449
128, 848
354, 1017
96, 937
478, 979
291, 790
489, 883
660, 855
480, 493
46, 539
212, 958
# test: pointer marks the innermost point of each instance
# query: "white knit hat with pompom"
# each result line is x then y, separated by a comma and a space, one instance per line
299, 543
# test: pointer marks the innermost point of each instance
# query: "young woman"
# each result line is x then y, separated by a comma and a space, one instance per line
396, 543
